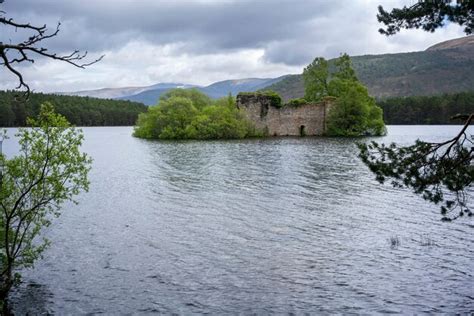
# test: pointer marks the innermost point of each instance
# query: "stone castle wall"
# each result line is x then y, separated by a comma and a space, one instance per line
289, 120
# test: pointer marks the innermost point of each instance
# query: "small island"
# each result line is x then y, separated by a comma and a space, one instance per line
336, 103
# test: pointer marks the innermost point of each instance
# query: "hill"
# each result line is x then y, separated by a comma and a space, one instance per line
446, 67
223, 88
149, 95
466, 42
216, 90
123, 93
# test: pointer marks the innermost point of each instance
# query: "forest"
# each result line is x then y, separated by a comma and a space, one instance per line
79, 111
420, 110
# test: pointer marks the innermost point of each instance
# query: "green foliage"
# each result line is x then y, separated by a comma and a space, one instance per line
428, 15
185, 116
426, 109
275, 99
441, 173
49, 171
430, 72
318, 75
354, 112
296, 102
82, 111
216, 122
199, 99
375, 124
344, 70
316, 80
230, 100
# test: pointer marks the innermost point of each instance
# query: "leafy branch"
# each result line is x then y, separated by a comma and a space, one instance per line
428, 15
441, 173
49, 171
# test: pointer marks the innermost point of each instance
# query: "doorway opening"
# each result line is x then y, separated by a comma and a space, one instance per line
302, 130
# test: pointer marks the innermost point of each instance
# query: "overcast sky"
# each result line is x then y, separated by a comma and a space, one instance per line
201, 41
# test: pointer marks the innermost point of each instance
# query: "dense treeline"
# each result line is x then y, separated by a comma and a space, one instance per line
427, 109
80, 111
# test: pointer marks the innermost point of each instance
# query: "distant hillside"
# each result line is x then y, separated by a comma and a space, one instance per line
123, 93
106, 93
447, 67
223, 88
215, 90
149, 97
466, 42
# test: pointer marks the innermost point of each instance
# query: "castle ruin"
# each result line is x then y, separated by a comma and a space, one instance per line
288, 120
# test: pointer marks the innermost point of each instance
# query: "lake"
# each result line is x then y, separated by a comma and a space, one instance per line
259, 226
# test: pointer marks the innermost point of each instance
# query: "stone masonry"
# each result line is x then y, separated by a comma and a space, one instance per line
289, 120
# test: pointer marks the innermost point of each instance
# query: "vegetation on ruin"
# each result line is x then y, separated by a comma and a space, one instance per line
190, 114
275, 99
296, 102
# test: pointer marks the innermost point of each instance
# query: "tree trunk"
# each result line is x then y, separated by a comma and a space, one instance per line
6, 284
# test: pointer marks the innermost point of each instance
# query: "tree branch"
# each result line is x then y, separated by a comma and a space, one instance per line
29, 46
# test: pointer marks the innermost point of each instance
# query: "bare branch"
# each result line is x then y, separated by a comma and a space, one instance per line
21, 50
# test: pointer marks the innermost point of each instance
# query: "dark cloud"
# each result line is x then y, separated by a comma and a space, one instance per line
204, 26
200, 41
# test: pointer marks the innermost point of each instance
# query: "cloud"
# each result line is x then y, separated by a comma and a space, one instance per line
203, 40
220, 25
140, 63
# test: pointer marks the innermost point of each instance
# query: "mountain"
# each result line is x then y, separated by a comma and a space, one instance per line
223, 88
150, 96
447, 67
105, 93
215, 90
466, 42
123, 93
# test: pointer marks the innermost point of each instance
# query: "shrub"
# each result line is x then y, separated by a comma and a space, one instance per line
193, 116
354, 112
275, 99
296, 102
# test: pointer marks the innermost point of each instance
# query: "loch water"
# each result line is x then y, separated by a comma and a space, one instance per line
257, 226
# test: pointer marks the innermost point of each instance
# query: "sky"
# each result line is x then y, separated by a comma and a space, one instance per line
199, 41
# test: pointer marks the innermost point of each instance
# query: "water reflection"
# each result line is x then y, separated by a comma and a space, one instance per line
31, 298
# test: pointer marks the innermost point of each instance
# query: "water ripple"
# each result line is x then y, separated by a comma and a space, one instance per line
283, 225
